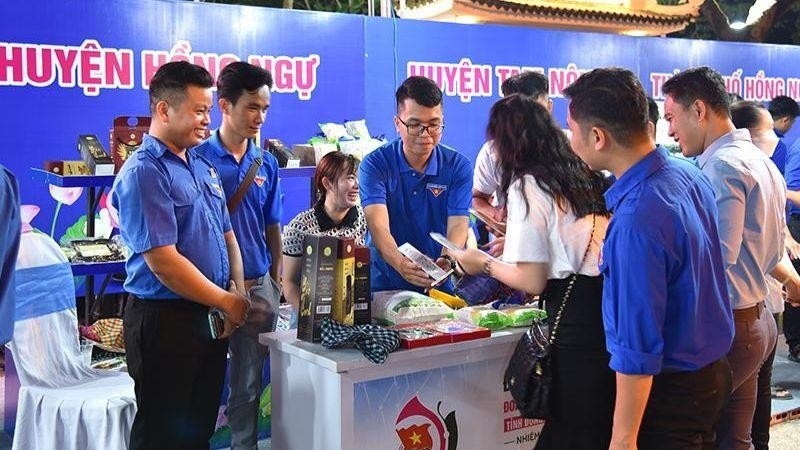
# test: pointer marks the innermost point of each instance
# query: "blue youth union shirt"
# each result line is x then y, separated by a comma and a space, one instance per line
163, 200
260, 207
417, 203
665, 298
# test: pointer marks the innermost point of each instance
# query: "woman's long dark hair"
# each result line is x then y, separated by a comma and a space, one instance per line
528, 142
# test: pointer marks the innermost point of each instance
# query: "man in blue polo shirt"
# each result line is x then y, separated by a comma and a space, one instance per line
9, 246
184, 255
665, 302
243, 97
784, 111
413, 186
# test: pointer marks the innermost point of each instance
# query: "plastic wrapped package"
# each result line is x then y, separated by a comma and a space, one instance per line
399, 307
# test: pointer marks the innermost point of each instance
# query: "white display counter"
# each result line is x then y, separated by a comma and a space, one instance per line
440, 397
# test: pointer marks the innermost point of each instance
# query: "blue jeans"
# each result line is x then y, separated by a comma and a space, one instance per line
247, 362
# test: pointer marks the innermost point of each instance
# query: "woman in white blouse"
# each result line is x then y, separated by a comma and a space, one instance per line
555, 212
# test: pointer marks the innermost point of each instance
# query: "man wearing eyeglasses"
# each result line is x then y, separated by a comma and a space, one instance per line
412, 186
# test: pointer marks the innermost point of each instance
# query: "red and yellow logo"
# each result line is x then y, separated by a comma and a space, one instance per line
419, 428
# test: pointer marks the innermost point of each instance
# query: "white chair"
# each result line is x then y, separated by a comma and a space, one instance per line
63, 403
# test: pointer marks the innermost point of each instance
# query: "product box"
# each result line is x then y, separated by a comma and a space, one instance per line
306, 154
94, 155
67, 168
418, 335
458, 330
317, 285
126, 136
344, 281
362, 297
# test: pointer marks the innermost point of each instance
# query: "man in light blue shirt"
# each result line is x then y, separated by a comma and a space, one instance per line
750, 195
665, 313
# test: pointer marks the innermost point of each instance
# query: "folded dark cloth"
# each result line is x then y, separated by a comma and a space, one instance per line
374, 341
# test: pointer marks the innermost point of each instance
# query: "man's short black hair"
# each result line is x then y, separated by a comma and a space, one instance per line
783, 106
699, 83
238, 77
652, 111
746, 114
610, 98
171, 80
532, 84
422, 90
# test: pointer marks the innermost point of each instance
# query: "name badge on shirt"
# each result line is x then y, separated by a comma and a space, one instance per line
436, 189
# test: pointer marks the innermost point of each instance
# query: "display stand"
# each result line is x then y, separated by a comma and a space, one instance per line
95, 186
338, 400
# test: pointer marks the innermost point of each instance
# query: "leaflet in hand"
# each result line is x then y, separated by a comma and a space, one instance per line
445, 242
499, 228
428, 265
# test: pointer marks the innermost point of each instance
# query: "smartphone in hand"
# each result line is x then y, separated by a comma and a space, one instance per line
216, 323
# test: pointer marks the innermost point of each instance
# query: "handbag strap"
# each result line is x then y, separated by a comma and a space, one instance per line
248, 180
571, 284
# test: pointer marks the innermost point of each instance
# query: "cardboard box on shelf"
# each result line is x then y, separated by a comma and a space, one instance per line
67, 168
126, 136
94, 155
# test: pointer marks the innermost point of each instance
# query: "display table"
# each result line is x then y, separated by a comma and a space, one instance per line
432, 397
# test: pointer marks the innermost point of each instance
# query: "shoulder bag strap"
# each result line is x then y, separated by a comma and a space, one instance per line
248, 180
571, 284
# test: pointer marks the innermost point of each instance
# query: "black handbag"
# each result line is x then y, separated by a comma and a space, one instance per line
529, 376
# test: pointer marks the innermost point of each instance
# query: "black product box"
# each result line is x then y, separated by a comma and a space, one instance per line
344, 281
94, 155
362, 297
317, 285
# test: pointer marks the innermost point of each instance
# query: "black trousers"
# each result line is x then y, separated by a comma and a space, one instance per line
683, 408
791, 315
178, 371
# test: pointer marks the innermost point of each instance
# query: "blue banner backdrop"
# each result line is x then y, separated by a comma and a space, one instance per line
70, 67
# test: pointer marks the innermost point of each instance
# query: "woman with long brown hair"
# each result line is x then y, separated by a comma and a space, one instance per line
555, 228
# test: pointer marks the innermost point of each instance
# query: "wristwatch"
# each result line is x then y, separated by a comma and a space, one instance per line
450, 259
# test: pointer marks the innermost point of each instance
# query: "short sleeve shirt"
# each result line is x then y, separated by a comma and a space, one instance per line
546, 233
417, 203
163, 200
486, 178
315, 222
261, 205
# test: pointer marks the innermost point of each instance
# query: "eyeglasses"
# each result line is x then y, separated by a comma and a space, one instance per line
416, 129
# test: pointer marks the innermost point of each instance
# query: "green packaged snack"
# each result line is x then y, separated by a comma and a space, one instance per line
524, 316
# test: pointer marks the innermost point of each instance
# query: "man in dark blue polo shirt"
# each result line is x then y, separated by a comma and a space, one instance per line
9, 246
243, 97
412, 186
184, 255
665, 302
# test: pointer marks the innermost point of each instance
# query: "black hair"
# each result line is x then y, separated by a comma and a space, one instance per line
422, 90
532, 84
699, 83
240, 77
510, 85
652, 111
783, 106
610, 98
527, 141
171, 80
746, 114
